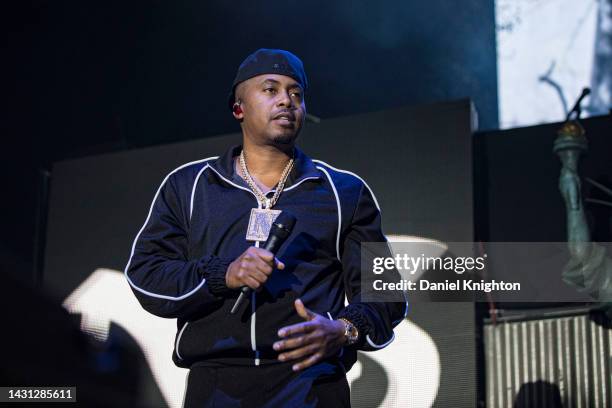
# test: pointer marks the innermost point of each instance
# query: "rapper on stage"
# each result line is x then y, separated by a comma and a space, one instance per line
292, 339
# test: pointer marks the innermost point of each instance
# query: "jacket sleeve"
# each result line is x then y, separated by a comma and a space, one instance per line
165, 280
374, 320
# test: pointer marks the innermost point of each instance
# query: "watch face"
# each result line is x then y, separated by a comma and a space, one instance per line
350, 331
352, 334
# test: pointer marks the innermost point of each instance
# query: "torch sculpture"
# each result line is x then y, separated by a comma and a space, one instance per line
589, 268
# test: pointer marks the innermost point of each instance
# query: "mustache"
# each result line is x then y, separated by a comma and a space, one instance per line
286, 113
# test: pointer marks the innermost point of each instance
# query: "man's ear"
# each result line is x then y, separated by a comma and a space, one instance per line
237, 110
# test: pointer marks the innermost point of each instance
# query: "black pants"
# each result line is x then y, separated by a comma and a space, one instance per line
269, 386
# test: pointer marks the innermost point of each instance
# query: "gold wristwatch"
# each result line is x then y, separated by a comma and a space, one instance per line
350, 331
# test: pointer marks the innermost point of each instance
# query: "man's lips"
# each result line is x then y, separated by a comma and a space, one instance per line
284, 116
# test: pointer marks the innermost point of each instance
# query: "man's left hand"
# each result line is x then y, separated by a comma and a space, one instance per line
311, 341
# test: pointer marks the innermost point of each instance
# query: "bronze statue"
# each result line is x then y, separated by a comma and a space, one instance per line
589, 268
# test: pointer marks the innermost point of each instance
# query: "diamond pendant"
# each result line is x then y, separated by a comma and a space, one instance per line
260, 223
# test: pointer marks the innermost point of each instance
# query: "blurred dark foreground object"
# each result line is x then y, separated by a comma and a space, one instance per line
43, 346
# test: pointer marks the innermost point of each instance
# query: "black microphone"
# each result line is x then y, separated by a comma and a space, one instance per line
279, 232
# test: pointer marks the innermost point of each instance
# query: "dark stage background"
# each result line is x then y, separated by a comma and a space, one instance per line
91, 77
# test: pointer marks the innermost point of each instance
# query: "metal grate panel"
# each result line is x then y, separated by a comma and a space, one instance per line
552, 362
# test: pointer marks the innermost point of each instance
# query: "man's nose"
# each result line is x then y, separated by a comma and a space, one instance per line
284, 99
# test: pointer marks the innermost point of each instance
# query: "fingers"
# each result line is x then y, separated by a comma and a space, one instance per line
297, 341
307, 350
300, 328
252, 268
262, 260
252, 283
261, 266
251, 274
268, 257
309, 341
302, 311
261, 253
311, 345
295, 329
315, 358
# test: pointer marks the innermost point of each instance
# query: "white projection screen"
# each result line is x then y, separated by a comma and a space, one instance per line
547, 52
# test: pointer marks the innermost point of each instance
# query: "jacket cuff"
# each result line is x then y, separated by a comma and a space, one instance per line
353, 314
213, 269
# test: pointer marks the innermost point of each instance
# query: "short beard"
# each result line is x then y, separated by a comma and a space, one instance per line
286, 139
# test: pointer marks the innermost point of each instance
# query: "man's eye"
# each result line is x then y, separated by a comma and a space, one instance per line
271, 90
297, 94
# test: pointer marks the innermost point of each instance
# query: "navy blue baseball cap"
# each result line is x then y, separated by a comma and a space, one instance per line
269, 61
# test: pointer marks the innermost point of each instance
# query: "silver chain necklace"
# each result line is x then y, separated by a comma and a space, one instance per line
266, 202
261, 219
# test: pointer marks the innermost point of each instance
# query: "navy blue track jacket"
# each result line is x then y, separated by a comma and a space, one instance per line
196, 227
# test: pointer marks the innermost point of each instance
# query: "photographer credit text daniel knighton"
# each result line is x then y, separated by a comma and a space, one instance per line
458, 285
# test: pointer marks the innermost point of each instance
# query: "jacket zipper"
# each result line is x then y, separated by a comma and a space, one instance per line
253, 314
253, 293
253, 337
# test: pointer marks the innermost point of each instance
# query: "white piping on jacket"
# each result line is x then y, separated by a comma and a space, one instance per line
405, 310
253, 328
379, 346
125, 272
178, 340
338, 237
339, 211
254, 314
354, 175
235, 185
193, 190
296, 184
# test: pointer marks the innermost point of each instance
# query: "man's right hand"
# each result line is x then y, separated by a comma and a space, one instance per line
252, 269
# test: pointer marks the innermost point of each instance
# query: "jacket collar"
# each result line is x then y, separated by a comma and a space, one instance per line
303, 167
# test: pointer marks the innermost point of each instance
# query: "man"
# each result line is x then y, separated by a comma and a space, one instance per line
293, 342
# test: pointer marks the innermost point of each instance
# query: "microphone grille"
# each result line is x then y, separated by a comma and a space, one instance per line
285, 220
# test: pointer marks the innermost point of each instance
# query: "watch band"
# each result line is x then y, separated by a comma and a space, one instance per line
350, 331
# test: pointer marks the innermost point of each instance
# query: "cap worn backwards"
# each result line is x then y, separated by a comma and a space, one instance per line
269, 61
